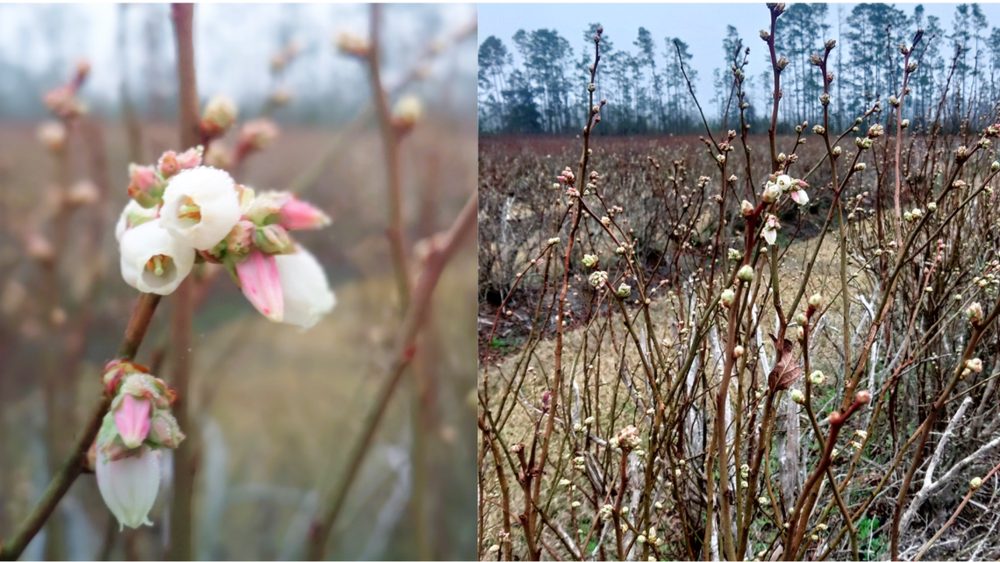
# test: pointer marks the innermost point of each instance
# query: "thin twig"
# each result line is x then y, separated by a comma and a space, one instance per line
442, 248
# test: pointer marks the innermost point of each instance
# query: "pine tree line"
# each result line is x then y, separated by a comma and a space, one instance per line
648, 93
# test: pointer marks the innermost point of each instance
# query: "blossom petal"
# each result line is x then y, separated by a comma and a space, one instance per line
140, 244
214, 192
306, 290
129, 486
261, 284
132, 420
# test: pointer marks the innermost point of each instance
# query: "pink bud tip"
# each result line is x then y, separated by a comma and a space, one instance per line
132, 420
299, 215
864, 397
261, 283
190, 158
168, 165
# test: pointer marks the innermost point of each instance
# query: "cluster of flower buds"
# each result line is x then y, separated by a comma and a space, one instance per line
590, 260
147, 183
975, 314
624, 290
598, 278
974, 365
727, 297
745, 274
783, 183
125, 455
182, 210
628, 438
62, 101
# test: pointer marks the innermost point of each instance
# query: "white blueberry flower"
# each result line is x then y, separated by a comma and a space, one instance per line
771, 193
132, 216
771, 227
306, 291
152, 260
129, 486
200, 206
800, 196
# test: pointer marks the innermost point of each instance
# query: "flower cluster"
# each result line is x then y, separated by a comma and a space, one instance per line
783, 183
126, 453
628, 438
183, 212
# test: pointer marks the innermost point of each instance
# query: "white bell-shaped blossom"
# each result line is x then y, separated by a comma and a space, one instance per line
152, 260
306, 291
129, 486
800, 196
132, 216
200, 207
770, 231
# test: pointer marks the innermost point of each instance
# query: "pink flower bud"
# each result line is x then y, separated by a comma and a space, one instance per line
190, 158
132, 420
261, 284
299, 215
171, 163
144, 185
168, 165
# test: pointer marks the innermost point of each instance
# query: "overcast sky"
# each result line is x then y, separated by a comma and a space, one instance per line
233, 43
702, 26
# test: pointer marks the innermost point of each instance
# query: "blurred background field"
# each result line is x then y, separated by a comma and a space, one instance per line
277, 409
